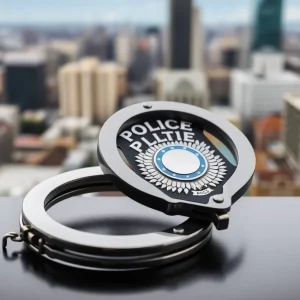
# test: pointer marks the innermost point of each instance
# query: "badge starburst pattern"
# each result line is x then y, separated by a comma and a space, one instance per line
213, 176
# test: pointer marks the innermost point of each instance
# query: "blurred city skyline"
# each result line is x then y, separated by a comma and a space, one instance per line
136, 12
67, 66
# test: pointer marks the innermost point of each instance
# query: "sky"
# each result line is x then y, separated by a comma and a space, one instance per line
214, 12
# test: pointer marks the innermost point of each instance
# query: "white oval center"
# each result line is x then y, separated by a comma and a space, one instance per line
181, 161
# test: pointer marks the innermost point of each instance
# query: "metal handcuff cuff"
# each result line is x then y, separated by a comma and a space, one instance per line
158, 154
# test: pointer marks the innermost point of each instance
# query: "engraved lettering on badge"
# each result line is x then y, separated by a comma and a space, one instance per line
169, 130
174, 160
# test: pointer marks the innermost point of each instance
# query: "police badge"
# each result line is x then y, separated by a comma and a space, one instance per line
165, 161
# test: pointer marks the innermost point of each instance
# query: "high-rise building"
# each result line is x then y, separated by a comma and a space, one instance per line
111, 88
267, 56
256, 96
267, 27
25, 80
124, 48
185, 36
91, 89
184, 80
180, 34
291, 134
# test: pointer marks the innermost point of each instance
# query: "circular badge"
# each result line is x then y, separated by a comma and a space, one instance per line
168, 162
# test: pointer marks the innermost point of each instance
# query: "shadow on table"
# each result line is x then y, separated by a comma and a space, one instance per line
212, 262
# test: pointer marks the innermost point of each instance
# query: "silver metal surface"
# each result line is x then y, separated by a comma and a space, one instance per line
56, 241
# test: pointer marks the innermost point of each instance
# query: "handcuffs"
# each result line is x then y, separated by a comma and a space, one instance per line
158, 154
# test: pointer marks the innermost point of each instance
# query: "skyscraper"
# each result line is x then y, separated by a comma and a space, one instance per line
184, 80
25, 80
267, 27
267, 57
185, 36
180, 33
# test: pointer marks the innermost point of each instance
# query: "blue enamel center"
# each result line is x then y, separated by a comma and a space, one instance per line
164, 165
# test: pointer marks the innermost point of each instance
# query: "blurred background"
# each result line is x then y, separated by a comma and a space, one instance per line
66, 66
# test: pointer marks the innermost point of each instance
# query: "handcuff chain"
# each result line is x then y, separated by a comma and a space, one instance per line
14, 236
